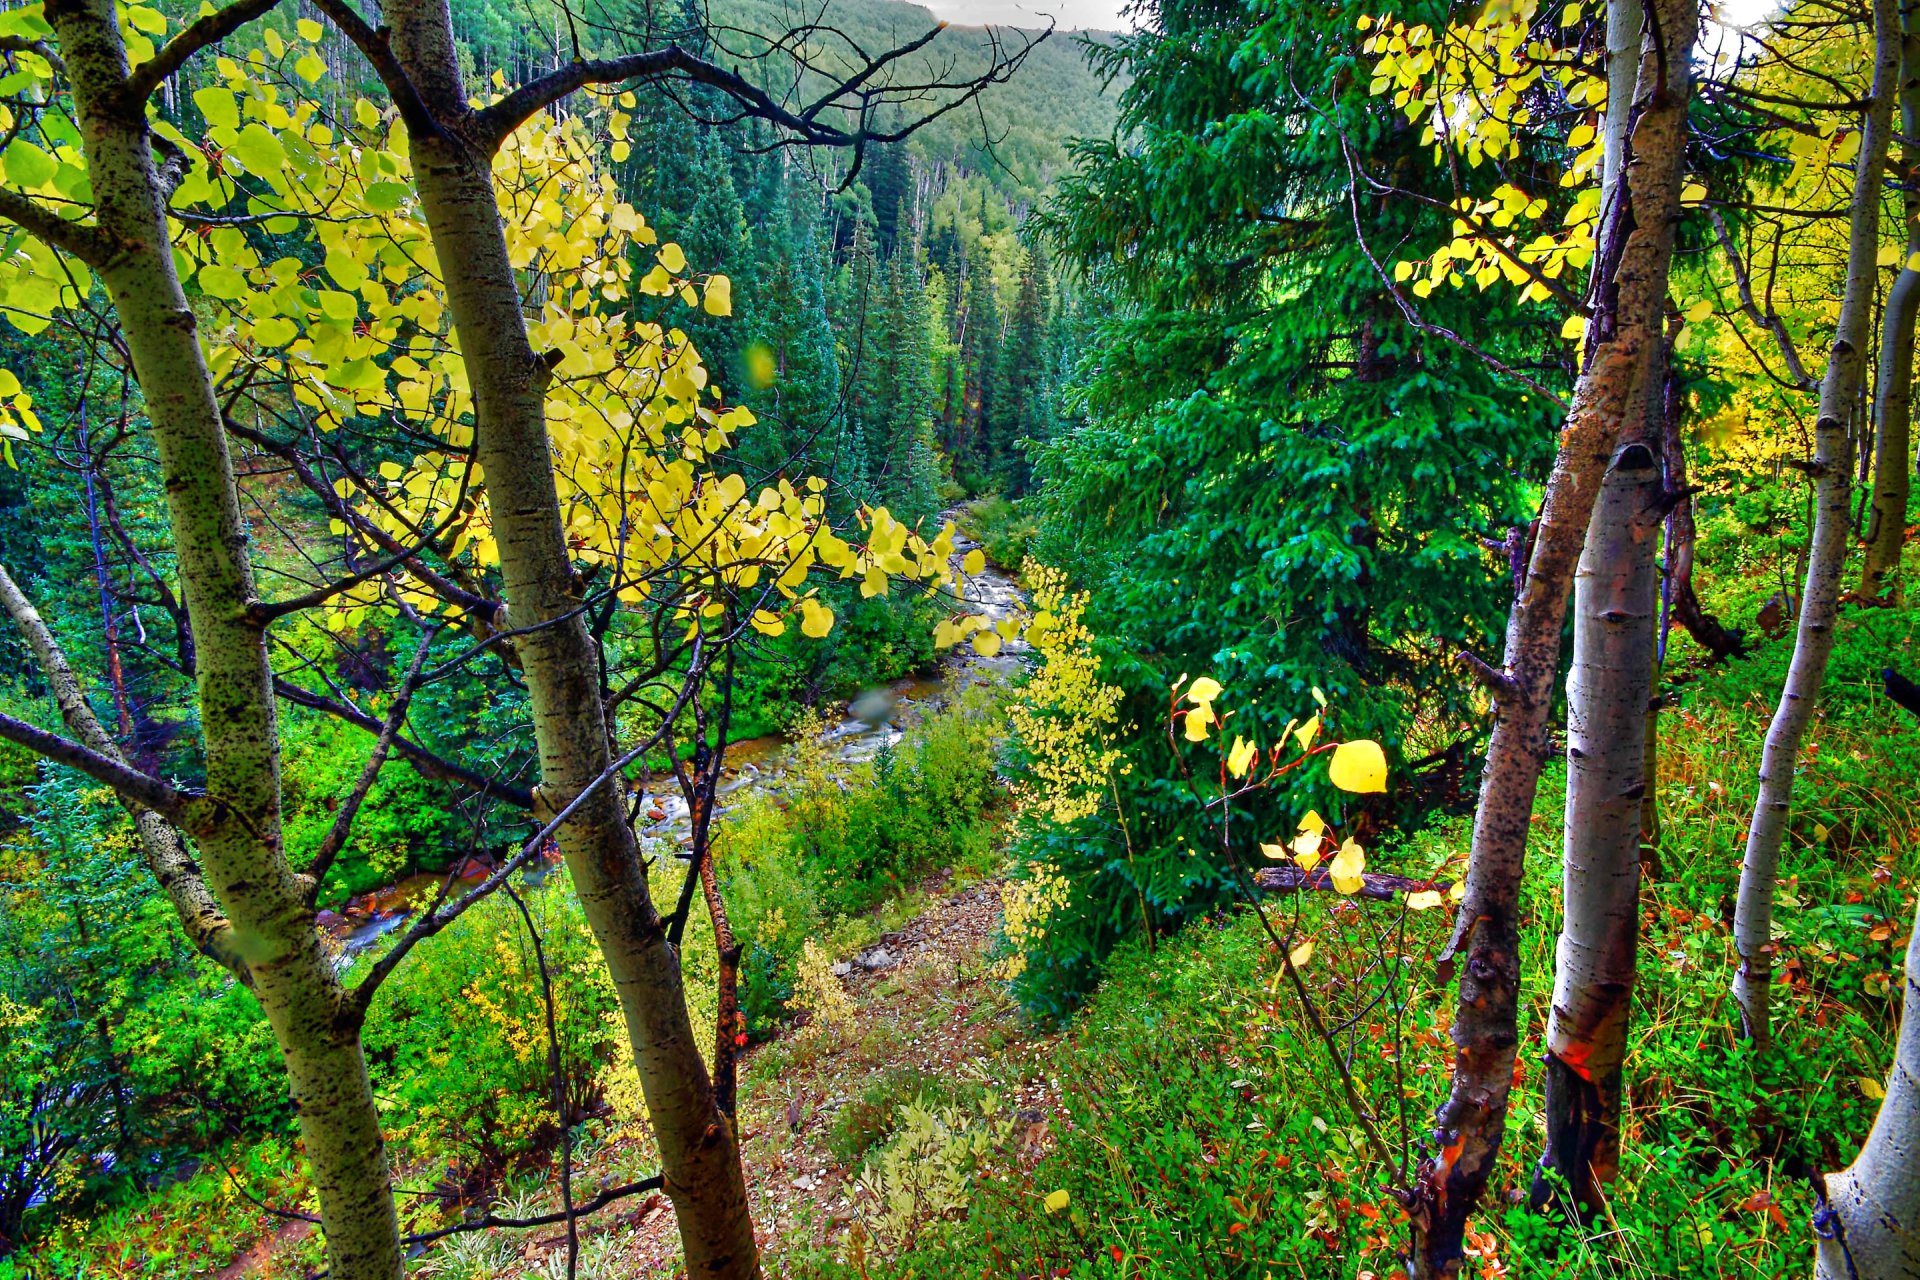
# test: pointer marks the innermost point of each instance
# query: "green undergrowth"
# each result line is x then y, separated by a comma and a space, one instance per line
1205, 1133
838, 854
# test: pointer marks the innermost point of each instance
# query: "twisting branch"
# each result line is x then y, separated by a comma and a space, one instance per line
601, 1201
1767, 319
81, 239
336, 837
207, 30
492, 125
166, 856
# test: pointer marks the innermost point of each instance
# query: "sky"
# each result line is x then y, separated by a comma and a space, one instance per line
1105, 14
1069, 14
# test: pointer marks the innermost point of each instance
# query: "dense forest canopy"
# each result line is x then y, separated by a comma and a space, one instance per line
737, 639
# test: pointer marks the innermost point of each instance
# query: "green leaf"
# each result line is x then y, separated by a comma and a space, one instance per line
220, 281
259, 150
28, 166
218, 106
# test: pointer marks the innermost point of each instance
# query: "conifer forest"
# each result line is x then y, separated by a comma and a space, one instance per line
1200, 640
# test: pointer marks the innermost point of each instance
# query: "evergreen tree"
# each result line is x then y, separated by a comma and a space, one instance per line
1021, 392
1285, 482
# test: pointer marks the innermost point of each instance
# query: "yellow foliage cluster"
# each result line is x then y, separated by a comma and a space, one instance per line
636, 423
1472, 81
819, 992
1065, 717
1025, 907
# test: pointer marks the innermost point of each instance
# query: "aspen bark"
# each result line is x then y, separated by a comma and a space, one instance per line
1636, 237
1869, 1220
239, 836
699, 1146
1893, 462
1608, 691
1827, 549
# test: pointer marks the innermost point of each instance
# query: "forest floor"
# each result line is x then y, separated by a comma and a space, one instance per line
927, 1017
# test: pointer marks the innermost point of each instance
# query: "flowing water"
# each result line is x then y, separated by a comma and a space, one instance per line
870, 722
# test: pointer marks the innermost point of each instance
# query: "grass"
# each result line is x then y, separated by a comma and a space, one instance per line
1203, 1134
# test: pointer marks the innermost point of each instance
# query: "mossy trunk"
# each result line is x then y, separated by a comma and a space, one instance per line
1608, 691
238, 831
1893, 462
1869, 1223
699, 1148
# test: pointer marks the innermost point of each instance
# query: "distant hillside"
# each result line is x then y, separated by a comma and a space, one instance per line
1053, 98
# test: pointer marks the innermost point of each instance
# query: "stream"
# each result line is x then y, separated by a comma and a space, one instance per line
875, 719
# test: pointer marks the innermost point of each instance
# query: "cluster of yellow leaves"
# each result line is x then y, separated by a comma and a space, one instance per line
1065, 716
819, 992
1025, 907
1471, 81
301, 230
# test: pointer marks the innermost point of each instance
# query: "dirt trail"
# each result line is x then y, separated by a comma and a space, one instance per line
925, 1001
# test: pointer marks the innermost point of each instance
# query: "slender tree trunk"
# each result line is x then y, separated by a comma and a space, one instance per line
1827, 549
699, 1146
240, 837
1683, 600
1636, 237
1893, 462
1608, 692
1869, 1220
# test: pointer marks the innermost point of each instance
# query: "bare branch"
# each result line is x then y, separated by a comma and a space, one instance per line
336, 837
1767, 319
166, 856
129, 783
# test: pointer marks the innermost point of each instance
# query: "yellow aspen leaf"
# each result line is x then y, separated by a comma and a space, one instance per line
1347, 866
1574, 327
816, 619
1424, 900
1240, 759
1313, 822
309, 30
719, 299
1299, 956
1693, 195
975, 562
1197, 721
1056, 1201
672, 258
767, 624
986, 643
1870, 1089
1698, 311
1306, 850
1276, 852
1306, 733
1359, 766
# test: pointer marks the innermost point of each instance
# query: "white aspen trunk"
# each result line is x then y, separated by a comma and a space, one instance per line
1625, 335
1827, 552
1608, 691
698, 1142
1893, 462
1869, 1225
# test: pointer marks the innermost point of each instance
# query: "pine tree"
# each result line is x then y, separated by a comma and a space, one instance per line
1021, 391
